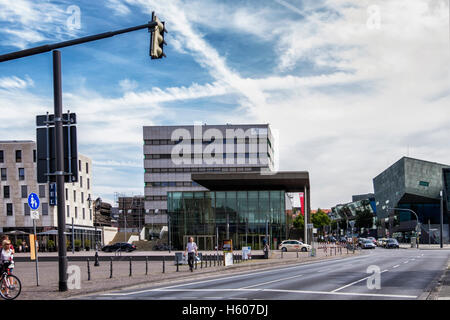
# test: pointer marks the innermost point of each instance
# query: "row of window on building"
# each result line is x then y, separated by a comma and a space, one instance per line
203, 156
203, 169
24, 193
20, 171
44, 212
172, 184
163, 142
19, 159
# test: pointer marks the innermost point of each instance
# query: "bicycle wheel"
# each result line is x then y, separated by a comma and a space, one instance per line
10, 287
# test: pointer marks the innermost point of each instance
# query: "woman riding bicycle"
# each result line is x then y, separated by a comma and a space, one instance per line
7, 262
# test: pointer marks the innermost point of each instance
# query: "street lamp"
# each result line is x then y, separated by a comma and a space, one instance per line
96, 263
417, 220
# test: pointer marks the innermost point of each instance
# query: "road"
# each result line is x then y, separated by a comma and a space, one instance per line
403, 274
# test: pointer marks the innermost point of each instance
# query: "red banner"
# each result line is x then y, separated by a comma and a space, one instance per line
302, 203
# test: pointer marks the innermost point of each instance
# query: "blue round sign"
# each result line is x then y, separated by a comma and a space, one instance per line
33, 201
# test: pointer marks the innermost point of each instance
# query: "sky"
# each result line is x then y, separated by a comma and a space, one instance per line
349, 86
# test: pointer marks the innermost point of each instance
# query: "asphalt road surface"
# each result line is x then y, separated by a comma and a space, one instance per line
381, 274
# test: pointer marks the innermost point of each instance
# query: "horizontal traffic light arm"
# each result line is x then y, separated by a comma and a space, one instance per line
50, 47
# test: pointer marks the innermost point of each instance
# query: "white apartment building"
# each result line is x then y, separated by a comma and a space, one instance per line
18, 179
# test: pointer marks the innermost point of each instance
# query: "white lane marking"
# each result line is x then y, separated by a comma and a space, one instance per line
237, 276
287, 291
355, 282
396, 266
406, 262
277, 280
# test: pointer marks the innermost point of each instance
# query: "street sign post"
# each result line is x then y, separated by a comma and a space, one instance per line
34, 215
33, 203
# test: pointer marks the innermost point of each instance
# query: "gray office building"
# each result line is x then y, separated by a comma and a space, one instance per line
412, 184
173, 153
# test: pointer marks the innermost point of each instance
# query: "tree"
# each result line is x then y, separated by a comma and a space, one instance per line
320, 219
299, 223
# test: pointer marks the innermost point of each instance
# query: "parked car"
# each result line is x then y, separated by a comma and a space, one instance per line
361, 241
342, 239
392, 243
381, 242
368, 244
294, 245
161, 247
373, 240
119, 246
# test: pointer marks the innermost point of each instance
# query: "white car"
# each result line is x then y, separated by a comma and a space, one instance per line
368, 244
294, 245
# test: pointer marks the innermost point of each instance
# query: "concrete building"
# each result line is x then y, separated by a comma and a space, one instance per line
131, 213
173, 153
18, 180
415, 185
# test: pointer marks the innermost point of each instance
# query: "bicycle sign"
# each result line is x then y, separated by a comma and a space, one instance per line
33, 201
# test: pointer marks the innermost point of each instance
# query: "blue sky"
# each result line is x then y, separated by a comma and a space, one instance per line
350, 85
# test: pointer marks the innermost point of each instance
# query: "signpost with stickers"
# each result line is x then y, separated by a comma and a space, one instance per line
33, 203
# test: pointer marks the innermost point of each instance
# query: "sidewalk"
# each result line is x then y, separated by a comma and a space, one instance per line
425, 246
442, 288
101, 281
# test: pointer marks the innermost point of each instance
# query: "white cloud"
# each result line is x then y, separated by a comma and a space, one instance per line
31, 21
128, 85
15, 82
118, 7
382, 89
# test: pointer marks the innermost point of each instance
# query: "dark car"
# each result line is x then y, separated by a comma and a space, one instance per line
392, 243
161, 247
343, 239
119, 246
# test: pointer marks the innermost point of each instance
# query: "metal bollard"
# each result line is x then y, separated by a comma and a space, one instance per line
201, 262
195, 262
89, 270
178, 261
215, 262
210, 261
164, 264
111, 268
146, 265
297, 253
131, 272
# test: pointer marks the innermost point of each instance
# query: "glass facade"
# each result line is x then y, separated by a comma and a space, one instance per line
238, 215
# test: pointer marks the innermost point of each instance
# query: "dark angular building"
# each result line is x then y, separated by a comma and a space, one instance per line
414, 185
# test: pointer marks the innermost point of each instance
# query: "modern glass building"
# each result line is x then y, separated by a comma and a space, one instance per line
242, 207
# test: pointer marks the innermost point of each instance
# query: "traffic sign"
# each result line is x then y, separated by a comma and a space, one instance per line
33, 201
34, 215
310, 225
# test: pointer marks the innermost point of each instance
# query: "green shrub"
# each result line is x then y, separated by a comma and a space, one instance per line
77, 243
51, 243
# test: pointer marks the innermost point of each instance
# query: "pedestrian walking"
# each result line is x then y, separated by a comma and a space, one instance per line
191, 250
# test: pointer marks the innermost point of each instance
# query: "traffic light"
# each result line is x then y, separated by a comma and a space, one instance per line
157, 38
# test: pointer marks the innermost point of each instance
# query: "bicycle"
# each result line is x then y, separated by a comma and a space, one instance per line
10, 285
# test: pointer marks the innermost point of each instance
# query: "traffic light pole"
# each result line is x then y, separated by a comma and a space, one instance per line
57, 94
59, 146
50, 47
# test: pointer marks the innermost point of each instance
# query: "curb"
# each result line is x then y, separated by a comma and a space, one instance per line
244, 267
